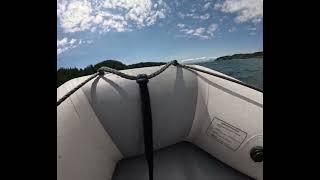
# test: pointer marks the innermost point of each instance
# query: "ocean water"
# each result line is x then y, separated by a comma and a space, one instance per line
249, 71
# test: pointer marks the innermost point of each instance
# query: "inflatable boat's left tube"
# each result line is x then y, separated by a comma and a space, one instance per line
142, 80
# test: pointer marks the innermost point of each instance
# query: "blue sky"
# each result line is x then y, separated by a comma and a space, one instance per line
90, 31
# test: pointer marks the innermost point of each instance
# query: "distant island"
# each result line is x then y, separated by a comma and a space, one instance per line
241, 56
65, 74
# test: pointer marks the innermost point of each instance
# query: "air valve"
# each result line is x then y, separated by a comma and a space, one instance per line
256, 154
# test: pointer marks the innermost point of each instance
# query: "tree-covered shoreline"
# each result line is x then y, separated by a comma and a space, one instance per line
241, 56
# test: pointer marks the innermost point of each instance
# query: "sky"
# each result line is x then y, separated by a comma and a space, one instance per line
132, 31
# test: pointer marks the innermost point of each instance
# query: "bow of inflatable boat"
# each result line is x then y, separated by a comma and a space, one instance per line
203, 127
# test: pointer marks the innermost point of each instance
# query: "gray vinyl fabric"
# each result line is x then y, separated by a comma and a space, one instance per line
182, 161
116, 102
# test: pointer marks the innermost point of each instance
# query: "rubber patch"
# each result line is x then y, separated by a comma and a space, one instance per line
228, 135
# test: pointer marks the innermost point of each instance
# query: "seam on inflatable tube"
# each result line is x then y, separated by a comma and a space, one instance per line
252, 100
195, 112
190, 135
94, 113
115, 155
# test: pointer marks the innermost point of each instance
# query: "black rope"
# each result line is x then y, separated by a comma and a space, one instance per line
142, 80
161, 69
76, 88
114, 71
221, 76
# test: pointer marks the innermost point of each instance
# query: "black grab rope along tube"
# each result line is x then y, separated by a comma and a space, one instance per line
76, 88
142, 80
221, 76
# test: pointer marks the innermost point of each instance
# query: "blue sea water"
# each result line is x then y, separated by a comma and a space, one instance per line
249, 71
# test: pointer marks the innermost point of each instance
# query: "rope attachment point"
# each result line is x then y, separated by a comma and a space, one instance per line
175, 62
100, 72
142, 79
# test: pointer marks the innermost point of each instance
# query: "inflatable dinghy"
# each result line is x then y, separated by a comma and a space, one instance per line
181, 124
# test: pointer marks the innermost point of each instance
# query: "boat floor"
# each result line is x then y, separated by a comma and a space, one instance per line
182, 161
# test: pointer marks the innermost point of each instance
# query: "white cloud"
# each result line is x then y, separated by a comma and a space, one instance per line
199, 59
204, 17
223, 18
75, 16
72, 41
194, 16
153, 18
181, 15
177, 2
201, 32
246, 10
232, 29
211, 29
62, 42
181, 25
187, 31
217, 6
207, 5
106, 15
135, 10
89, 41
252, 28
109, 24
191, 59
65, 44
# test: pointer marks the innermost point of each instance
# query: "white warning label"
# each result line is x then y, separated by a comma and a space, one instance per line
225, 133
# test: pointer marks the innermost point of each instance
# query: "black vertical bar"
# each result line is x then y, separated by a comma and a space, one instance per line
142, 80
